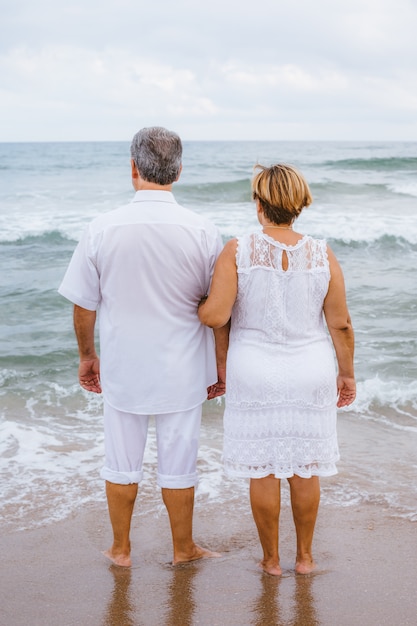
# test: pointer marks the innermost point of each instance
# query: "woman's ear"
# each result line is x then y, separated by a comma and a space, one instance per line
258, 208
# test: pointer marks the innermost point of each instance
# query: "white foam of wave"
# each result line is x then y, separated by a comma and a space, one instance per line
392, 402
54, 210
354, 224
7, 376
50, 460
407, 188
45, 478
357, 224
391, 484
350, 221
387, 393
346, 493
45, 474
16, 227
50, 465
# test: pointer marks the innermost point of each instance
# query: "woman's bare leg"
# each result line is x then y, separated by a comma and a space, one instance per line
265, 498
305, 499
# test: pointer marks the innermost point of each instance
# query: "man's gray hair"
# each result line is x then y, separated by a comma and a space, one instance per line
157, 154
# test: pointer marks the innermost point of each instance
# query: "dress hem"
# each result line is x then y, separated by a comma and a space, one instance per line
281, 475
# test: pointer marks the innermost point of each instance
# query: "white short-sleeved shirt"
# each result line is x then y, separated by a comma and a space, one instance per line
145, 266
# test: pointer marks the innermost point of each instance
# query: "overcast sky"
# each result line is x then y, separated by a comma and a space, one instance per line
219, 69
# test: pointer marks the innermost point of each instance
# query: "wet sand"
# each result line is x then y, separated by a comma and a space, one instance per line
57, 575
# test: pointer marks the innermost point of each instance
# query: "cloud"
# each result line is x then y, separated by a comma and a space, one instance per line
221, 69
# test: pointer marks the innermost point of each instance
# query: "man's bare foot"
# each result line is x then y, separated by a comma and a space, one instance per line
305, 566
273, 568
197, 553
122, 560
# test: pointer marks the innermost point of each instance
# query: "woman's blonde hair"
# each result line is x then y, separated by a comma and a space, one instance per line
282, 192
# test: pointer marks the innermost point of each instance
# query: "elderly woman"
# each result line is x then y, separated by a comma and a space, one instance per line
281, 288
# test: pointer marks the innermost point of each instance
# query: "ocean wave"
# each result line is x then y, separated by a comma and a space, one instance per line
57, 468
406, 189
64, 156
238, 190
372, 240
51, 462
366, 189
48, 237
385, 243
391, 402
8, 376
385, 164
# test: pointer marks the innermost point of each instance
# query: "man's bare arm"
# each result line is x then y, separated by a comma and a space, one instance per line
89, 368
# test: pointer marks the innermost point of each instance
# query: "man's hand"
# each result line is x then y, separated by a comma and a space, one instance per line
89, 368
219, 388
89, 375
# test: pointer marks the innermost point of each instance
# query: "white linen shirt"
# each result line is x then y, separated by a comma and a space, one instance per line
145, 266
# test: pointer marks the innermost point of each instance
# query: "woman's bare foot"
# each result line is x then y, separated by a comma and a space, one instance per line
122, 560
195, 555
273, 568
305, 566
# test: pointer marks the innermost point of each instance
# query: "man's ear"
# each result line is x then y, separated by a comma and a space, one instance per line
135, 172
179, 173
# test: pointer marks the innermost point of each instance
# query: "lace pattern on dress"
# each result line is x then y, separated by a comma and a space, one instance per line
280, 415
259, 250
283, 442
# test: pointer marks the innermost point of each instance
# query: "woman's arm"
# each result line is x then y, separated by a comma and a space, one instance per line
216, 310
341, 331
221, 338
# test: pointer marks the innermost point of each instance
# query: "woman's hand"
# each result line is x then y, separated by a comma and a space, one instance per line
346, 388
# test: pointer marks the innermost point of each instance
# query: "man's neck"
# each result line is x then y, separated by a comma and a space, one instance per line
143, 185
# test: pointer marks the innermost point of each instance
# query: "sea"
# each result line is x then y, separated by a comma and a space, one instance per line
51, 441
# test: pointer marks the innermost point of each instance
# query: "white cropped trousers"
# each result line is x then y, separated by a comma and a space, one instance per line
177, 436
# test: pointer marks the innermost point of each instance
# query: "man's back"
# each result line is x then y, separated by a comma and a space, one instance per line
149, 264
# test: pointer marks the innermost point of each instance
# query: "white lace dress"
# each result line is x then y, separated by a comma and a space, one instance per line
280, 415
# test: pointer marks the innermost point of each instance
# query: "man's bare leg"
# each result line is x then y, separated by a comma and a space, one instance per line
305, 499
180, 507
265, 499
120, 500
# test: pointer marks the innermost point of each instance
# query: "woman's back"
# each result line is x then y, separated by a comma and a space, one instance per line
281, 289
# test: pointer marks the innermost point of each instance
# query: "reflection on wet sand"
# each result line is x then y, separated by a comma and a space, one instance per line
180, 597
305, 613
120, 609
270, 609
176, 601
182, 592
266, 609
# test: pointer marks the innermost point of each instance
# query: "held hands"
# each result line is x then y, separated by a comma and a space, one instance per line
89, 375
346, 388
219, 388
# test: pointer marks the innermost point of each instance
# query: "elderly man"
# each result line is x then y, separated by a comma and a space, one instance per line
146, 266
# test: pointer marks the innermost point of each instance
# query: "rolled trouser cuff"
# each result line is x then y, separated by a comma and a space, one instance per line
120, 478
177, 482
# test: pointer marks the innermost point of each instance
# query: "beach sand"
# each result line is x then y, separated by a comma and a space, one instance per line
56, 575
